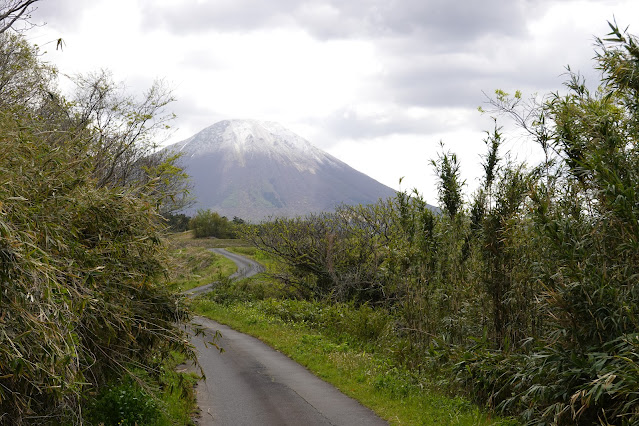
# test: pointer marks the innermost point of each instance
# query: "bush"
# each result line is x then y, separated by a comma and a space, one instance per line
177, 222
361, 324
80, 244
126, 404
210, 224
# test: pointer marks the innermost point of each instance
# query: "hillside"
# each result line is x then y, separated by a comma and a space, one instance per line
255, 170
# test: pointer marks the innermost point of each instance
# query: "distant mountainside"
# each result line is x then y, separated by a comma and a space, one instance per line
255, 170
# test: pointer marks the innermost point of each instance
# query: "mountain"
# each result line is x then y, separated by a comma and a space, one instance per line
255, 170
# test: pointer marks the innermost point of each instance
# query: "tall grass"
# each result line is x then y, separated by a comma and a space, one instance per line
80, 255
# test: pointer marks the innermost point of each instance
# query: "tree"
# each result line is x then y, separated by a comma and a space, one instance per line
12, 11
124, 139
207, 223
178, 222
124, 129
24, 80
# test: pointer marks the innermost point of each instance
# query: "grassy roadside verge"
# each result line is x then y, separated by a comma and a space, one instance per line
334, 347
167, 396
186, 239
193, 264
198, 266
164, 399
393, 392
178, 391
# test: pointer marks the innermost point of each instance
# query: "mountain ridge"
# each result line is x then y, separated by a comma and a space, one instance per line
255, 170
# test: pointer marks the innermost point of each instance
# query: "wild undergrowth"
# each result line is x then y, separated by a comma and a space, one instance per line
195, 266
165, 397
523, 294
356, 348
351, 348
81, 238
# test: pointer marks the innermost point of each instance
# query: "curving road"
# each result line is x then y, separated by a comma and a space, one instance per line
245, 268
252, 384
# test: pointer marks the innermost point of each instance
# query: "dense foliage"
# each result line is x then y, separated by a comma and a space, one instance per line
528, 294
207, 223
80, 238
178, 222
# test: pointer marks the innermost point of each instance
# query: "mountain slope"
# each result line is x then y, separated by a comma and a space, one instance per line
255, 170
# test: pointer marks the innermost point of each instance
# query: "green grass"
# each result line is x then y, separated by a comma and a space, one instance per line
186, 239
394, 393
259, 256
196, 266
165, 399
178, 396
193, 264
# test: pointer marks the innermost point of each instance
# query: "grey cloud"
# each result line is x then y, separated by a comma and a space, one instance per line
413, 37
347, 123
63, 14
438, 85
434, 79
191, 16
430, 81
446, 21
403, 29
189, 111
443, 20
464, 87
408, 33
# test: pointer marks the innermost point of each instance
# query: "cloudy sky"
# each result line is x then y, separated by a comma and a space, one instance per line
377, 83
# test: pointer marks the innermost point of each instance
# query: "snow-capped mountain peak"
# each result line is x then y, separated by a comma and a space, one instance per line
239, 139
254, 170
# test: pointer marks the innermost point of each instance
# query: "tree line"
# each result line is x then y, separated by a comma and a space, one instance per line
205, 224
526, 293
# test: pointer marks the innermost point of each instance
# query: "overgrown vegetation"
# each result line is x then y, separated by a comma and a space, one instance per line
527, 296
165, 399
178, 222
80, 237
207, 223
341, 344
193, 266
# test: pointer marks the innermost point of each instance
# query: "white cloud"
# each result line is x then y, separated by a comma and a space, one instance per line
377, 83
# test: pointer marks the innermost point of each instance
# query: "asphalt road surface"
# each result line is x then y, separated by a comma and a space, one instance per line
245, 268
252, 384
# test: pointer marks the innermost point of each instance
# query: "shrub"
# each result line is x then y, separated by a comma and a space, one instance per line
126, 404
210, 224
80, 244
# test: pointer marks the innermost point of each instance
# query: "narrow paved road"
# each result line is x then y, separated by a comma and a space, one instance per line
252, 384
245, 268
